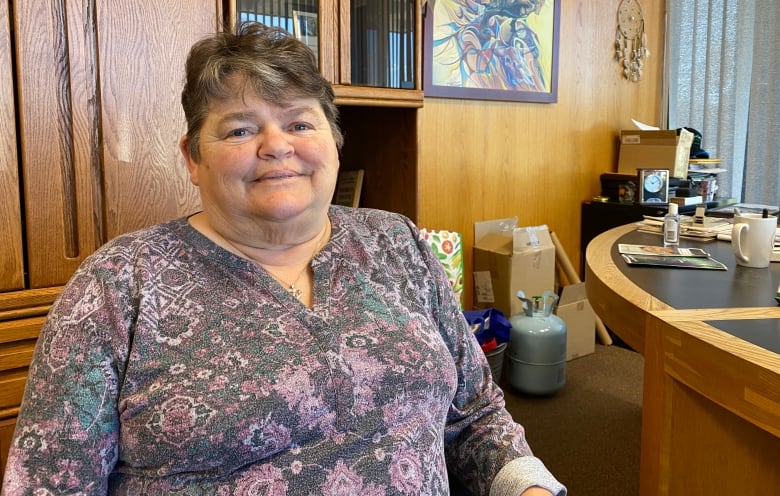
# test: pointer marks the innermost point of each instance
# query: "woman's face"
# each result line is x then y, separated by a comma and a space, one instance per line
260, 161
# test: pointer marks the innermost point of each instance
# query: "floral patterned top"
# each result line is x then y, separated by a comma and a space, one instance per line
168, 365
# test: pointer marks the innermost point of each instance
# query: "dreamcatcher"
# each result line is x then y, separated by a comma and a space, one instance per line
630, 39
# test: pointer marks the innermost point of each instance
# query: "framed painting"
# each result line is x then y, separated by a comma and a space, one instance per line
497, 50
305, 29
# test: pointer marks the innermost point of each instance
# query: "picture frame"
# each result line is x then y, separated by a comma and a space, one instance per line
348, 188
505, 53
306, 29
653, 186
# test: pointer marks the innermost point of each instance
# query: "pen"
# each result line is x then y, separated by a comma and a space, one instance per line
765, 213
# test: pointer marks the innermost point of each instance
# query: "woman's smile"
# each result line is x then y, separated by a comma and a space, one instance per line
279, 175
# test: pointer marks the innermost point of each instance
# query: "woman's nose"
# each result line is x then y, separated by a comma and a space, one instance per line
274, 144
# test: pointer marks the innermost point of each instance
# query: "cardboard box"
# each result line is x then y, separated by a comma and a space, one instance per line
576, 312
508, 259
662, 149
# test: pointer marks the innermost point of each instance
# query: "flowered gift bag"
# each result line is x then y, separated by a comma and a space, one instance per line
448, 249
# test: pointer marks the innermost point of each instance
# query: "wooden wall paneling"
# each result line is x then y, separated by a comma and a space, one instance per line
538, 161
11, 263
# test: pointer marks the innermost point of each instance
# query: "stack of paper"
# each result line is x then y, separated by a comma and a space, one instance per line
709, 231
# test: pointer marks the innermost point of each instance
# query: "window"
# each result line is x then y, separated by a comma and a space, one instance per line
723, 80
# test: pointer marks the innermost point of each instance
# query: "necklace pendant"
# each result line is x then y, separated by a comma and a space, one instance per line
294, 291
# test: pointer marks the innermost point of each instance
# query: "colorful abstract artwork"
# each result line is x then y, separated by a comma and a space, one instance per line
492, 49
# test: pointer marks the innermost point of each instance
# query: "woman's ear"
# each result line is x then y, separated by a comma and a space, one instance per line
192, 166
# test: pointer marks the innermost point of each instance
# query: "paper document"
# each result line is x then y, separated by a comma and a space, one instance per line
643, 126
675, 262
661, 251
708, 231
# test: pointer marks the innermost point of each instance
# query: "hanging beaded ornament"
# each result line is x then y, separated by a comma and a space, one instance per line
630, 39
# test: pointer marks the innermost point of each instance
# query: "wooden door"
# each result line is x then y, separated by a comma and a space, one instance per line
145, 178
99, 87
11, 265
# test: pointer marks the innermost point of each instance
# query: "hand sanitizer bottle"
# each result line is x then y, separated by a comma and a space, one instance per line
672, 227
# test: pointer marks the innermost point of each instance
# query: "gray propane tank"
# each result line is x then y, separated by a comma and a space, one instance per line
537, 346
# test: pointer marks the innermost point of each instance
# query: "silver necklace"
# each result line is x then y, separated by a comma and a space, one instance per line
297, 292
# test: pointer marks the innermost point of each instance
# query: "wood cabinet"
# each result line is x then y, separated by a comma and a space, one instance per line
90, 122
89, 127
6, 433
368, 49
11, 262
99, 121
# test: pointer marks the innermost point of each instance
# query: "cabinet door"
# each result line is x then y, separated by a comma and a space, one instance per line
11, 266
99, 85
368, 49
378, 44
145, 179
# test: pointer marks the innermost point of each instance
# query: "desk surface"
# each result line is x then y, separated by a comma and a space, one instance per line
737, 287
620, 293
711, 393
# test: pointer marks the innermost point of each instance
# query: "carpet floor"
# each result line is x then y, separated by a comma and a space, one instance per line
588, 432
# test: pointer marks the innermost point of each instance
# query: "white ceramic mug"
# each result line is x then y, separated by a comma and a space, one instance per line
753, 239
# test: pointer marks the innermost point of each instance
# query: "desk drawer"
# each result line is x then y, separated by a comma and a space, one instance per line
21, 329
17, 354
12, 388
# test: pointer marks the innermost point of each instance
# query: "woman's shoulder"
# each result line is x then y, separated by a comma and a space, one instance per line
148, 239
369, 219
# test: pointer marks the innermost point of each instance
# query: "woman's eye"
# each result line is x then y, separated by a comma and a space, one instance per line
301, 126
237, 133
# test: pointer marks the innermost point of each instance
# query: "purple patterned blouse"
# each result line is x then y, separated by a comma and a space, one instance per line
171, 366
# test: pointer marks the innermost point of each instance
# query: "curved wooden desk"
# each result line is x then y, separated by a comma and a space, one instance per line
711, 400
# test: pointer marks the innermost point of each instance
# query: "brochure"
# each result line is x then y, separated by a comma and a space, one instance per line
661, 251
679, 262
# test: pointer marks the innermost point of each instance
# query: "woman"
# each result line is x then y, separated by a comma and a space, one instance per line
271, 343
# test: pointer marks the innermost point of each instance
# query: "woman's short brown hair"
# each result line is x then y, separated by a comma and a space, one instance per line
272, 63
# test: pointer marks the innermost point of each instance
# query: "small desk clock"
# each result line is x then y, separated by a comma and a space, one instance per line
653, 185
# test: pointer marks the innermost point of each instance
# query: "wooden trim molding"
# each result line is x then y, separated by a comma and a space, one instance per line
38, 299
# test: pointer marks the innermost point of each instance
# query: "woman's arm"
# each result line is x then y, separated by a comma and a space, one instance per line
485, 447
67, 429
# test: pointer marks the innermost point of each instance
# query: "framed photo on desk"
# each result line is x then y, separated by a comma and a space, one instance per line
653, 186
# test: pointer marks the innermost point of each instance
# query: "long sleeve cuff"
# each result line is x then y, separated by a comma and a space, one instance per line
522, 473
